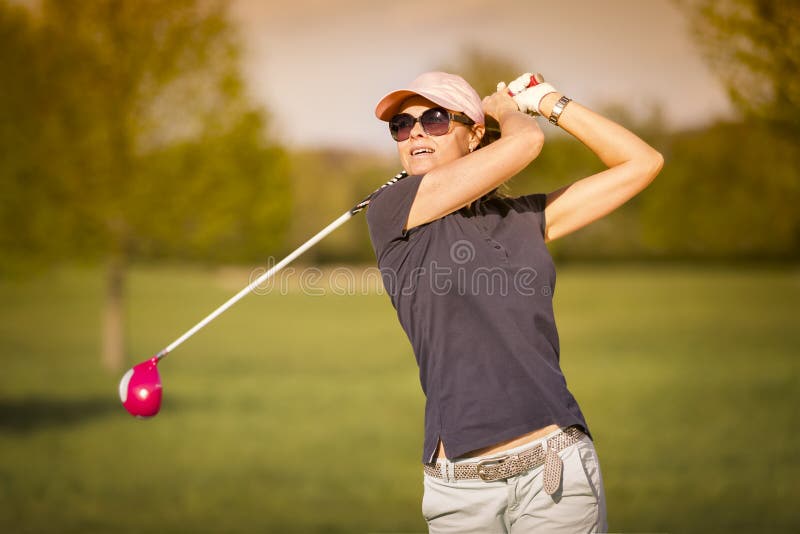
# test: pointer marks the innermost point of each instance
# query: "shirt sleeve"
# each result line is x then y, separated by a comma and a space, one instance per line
535, 204
388, 212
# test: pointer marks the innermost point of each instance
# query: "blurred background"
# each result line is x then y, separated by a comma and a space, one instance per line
155, 154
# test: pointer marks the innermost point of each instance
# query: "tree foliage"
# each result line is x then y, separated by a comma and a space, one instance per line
325, 184
754, 46
483, 69
730, 191
744, 178
125, 133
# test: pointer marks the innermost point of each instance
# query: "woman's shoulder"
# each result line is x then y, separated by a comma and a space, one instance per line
404, 185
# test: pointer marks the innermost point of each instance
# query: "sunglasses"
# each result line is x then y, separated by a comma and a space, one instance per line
435, 121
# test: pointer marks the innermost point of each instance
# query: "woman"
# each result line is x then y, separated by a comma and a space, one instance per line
506, 447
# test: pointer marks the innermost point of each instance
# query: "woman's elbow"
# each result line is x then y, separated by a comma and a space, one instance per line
656, 163
535, 142
651, 165
538, 140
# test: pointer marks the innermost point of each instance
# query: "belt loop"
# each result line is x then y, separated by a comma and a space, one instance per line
451, 471
442, 465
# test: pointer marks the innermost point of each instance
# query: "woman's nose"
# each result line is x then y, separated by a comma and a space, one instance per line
417, 130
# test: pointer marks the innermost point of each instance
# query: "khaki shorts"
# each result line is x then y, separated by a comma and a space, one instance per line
520, 504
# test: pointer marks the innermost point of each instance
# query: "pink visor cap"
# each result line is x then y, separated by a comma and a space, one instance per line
447, 90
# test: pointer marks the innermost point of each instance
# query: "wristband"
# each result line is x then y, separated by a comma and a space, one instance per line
558, 109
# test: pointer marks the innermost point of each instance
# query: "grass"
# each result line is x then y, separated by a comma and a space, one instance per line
296, 413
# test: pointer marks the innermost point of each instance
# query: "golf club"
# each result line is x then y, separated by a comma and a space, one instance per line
140, 388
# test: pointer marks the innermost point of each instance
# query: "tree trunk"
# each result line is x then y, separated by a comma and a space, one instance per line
114, 316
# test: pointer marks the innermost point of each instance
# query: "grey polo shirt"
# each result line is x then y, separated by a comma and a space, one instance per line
473, 291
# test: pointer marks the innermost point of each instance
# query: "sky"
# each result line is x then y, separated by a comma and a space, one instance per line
320, 66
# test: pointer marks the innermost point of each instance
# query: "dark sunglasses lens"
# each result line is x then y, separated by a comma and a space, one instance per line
400, 126
435, 121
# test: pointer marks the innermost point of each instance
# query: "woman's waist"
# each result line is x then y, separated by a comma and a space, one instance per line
503, 446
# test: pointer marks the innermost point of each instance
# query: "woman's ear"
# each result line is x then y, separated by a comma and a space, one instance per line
475, 136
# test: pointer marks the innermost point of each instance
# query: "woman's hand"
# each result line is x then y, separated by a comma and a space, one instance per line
502, 107
499, 103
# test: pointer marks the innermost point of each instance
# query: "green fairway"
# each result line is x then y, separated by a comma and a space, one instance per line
301, 413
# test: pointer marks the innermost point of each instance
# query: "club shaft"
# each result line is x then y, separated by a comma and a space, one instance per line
271, 272
257, 282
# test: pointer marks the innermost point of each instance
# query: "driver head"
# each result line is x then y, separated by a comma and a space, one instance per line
140, 389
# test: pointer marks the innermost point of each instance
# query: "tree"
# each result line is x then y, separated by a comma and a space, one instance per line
754, 46
483, 69
729, 191
326, 183
32, 228
130, 136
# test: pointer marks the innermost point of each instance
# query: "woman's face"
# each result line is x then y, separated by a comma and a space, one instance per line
421, 153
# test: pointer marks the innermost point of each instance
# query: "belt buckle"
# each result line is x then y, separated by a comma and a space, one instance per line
479, 467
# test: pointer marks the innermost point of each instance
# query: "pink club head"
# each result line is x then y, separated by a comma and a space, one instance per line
140, 389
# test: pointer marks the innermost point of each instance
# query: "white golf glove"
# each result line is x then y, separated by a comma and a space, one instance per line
528, 91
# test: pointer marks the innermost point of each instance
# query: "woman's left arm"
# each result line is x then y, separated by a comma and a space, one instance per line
632, 165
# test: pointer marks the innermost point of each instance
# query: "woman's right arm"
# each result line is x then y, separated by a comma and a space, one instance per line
454, 185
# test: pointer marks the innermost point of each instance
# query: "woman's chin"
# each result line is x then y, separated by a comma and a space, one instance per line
416, 168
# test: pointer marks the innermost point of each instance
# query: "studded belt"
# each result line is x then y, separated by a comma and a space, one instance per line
502, 467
